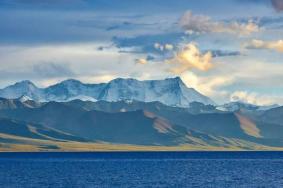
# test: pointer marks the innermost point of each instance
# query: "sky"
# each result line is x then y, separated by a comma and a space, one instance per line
229, 50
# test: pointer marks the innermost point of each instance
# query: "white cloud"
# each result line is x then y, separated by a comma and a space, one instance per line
53, 70
203, 24
190, 57
210, 86
260, 44
255, 98
79, 61
161, 47
169, 47
141, 61
239, 74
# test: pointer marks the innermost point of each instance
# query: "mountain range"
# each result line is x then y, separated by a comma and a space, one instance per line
171, 91
127, 114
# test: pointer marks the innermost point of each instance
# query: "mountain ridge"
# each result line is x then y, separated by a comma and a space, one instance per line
54, 124
170, 91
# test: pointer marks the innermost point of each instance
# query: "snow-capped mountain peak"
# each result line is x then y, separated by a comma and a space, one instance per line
19, 89
25, 85
171, 91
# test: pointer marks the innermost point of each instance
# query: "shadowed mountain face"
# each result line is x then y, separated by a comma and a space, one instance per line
14, 128
135, 127
139, 123
195, 118
204, 118
171, 91
17, 103
272, 116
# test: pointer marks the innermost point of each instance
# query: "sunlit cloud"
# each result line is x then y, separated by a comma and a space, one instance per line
98, 46
225, 79
141, 61
254, 98
207, 85
199, 24
190, 57
169, 47
260, 44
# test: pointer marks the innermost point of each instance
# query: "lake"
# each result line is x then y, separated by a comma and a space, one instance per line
142, 169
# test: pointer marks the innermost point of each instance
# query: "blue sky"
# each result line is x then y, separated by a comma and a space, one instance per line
226, 49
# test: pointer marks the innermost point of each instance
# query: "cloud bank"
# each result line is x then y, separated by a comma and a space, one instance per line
254, 98
260, 44
198, 24
53, 70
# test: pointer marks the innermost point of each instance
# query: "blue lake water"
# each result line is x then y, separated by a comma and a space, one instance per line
142, 169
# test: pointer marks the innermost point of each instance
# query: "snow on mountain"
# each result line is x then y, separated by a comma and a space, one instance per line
235, 106
82, 98
19, 89
68, 89
171, 91
268, 107
24, 98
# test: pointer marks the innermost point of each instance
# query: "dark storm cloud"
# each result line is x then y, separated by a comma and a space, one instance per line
224, 53
146, 42
277, 4
128, 26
